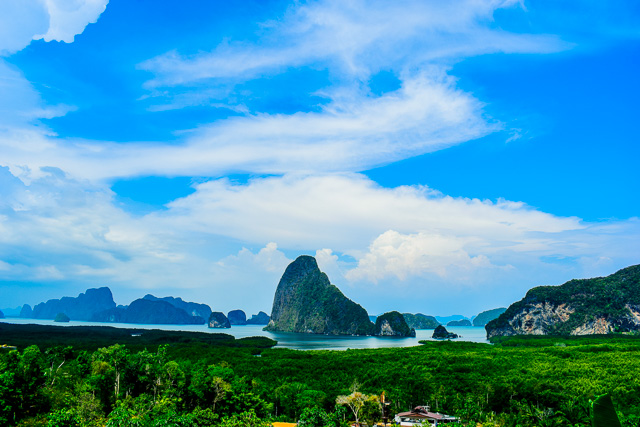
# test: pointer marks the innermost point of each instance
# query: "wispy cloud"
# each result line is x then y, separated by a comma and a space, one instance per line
354, 38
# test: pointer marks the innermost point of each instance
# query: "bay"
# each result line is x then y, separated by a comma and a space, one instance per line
285, 339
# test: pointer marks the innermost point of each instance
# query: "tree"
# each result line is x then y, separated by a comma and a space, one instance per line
355, 401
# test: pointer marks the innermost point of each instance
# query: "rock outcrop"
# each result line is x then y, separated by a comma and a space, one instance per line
26, 312
441, 333
579, 307
145, 311
463, 322
306, 302
261, 318
420, 321
237, 317
192, 308
218, 320
83, 307
1, 315
393, 324
487, 316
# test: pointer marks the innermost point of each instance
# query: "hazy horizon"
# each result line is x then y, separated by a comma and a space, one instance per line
435, 157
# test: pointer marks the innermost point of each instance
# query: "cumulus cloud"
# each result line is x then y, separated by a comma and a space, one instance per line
61, 20
405, 255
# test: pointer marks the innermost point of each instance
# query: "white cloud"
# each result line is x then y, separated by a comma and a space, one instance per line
406, 255
67, 18
353, 133
354, 38
64, 230
268, 259
25, 20
345, 212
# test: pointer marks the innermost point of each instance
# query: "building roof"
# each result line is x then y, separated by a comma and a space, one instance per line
424, 412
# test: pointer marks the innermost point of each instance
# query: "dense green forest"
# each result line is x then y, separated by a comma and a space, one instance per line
59, 380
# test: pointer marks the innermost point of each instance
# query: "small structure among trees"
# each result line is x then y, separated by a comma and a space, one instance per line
421, 415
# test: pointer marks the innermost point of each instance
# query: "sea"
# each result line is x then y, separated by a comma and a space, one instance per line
285, 339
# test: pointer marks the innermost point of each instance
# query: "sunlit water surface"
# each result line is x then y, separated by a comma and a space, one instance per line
288, 340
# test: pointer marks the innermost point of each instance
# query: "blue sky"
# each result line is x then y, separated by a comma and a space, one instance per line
436, 157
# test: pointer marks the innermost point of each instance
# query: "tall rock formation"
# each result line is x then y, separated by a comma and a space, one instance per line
579, 307
26, 312
393, 324
83, 307
306, 302
237, 317
218, 320
192, 308
1, 315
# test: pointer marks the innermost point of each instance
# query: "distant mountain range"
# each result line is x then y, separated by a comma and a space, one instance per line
97, 305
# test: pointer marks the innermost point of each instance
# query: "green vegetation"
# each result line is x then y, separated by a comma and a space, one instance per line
393, 324
170, 380
306, 302
607, 298
420, 321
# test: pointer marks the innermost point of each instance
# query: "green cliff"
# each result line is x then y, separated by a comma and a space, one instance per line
579, 307
420, 321
306, 302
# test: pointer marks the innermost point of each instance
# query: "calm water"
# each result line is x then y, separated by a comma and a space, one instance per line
288, 340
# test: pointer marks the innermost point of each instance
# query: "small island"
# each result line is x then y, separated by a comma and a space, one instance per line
441, 333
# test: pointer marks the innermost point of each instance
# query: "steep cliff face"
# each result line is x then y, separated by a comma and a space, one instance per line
306, 302
83, 307
192, 308
393, 324
579, 307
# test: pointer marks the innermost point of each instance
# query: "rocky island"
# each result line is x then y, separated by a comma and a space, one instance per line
441, 333
420, 321
218, 320
393, 324
306, 302
146, 311
237, 317
261, 318
462, 322
579, 307
82, 307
